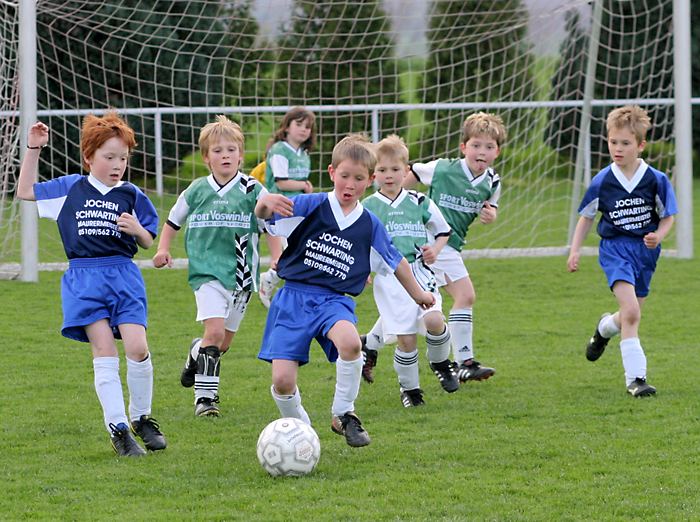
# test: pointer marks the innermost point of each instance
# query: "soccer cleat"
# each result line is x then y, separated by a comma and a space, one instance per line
268, 283
446, 375
640, 388
596, 346
411, 398
206, 407
350, 426
148, 429
124, 443
473, 371
190, 369
370, 360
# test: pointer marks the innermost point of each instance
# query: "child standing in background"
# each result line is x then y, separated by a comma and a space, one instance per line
287, 170
102, 221
637, 205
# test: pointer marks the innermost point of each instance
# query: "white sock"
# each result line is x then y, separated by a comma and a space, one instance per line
206, 385
139, 379
347, 385
290, 405
375, 337
406, 366
607, 327
633, 359
438, 346
108, 386
460, 322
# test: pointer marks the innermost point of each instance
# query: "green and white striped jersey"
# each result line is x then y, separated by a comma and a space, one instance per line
222, 231
457, 193
411, 220
284, 162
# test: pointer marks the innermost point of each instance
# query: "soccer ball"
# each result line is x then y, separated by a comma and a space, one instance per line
288, 447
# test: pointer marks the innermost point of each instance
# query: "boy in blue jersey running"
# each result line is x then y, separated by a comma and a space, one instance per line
333, 245
637, 205
102, 221
222, 249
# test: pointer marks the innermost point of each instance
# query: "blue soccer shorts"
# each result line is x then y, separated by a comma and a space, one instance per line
629, 260
300, 313
102, 288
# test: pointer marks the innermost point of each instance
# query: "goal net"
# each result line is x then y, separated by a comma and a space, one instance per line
416, 68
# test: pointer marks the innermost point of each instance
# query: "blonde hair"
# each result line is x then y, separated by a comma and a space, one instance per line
394, 147
484, 124
632, 117
221, 129
357, 148
97, 130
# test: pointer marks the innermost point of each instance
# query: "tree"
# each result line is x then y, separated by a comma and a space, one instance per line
120, 55
477, 53
333, 53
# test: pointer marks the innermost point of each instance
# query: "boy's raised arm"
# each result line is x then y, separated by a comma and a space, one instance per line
37, 138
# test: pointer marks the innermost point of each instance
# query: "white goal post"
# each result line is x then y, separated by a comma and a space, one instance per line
411, 67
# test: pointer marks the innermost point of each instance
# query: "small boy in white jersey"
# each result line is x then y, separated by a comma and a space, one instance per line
463, 189
637, 205
222, 247
334, 244
408, 218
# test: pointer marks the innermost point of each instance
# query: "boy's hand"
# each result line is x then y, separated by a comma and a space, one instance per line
279, 204
425, 300
162, 258
38, 135
429, 255
652, 240
487, 213
572, 262
129, 224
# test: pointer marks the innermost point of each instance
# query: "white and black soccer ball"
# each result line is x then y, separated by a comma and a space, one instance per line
288, 447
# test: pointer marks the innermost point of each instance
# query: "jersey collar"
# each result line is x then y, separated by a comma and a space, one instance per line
295, 151
101, 187
341, 219
393, 202
630, 184
470, 176
225, 188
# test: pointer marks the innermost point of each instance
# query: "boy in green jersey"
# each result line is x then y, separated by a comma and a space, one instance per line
409, 218
463, 189
222, 248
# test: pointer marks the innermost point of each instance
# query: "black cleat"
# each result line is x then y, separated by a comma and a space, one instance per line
473, 371
190, 369
206, 407
640, 388
446, 375
124, 443
148, 429
350, 426
411, 398
596, 346
370, 361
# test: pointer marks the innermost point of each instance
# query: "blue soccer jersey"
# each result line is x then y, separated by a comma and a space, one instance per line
86, 211
331, 250
629, 207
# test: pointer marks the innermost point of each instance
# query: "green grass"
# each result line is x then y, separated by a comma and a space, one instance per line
550, 437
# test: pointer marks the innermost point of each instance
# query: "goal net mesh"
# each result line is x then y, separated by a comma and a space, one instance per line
416, 68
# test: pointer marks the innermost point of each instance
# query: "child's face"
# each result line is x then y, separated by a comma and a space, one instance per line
108, 163
389, 174
223, 159
624, 148
298, 132
480, 152
350, 180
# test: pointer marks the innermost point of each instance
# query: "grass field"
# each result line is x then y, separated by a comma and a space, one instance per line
550, 437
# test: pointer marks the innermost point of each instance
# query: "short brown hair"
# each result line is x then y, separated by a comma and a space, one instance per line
98, 129
486, 124
632, 117
394, 147
222, 128
354, 147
